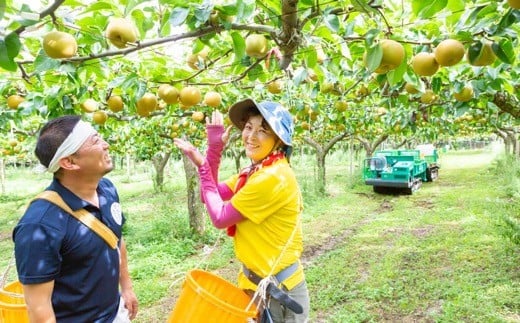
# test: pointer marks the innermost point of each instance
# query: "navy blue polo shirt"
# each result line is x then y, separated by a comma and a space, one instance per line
51, 245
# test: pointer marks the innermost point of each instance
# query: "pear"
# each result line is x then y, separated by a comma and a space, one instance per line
146, 104
121, 31
465, 94
424, 64
58, 44
115, 103
14, 101
256, 45
168, 93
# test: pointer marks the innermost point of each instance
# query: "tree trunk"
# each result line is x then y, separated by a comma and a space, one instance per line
514, 143
128, 165
236, 157
2, 175
371, 147
320, 162
506, 102
507, 143
159, 163
195, 206
351, 157
321, 153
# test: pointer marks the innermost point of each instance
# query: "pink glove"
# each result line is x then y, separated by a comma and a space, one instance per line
222, 214
215, 147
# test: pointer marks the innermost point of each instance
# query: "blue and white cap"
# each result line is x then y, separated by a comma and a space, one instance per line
277, 116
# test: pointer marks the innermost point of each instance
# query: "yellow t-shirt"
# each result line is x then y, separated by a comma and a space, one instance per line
271, 203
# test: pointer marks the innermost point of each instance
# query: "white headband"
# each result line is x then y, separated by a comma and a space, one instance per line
81, 132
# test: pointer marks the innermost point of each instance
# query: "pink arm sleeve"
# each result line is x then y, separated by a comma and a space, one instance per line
213, 155
215, 147
222, 214
225, 192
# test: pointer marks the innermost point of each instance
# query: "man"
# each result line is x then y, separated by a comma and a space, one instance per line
68, 271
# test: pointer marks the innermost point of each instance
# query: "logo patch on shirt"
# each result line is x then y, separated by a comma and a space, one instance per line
115, 209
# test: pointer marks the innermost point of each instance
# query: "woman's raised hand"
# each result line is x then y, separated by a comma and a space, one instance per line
218, 120
190, 151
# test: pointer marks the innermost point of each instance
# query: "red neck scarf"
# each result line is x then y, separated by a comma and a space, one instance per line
247, 172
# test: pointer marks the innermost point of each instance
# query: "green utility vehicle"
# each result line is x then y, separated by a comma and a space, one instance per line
401, 170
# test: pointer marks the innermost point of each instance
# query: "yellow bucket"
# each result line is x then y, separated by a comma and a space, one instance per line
209, 298
12, 304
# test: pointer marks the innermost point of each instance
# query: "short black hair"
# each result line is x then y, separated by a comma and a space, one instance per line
251, 112
52, 135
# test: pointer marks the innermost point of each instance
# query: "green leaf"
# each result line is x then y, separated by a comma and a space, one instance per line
145, 25
411, 77
504, 51
202, 12
239, 46
9, 49
100, 5
507, 20
371, 35
362, 6
44, 63
178, 16
255, 72
12, 41
300, 75
311, 59
474, 51
229, 10
436, 84
427, 9
2, 9
373, 57
332, 22
472, 17
66, 102
396, 76
131, 5
457, 9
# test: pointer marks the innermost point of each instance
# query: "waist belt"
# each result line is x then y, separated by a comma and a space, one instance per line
273, 290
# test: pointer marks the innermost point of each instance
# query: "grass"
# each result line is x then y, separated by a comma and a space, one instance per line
444, 254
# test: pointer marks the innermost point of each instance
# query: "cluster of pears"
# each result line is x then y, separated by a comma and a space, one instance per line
92, 106
61, 45
448, 53
428, 96
186, 97
149, 102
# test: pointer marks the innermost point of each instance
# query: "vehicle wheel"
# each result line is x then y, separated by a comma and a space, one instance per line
432, 174
379, 189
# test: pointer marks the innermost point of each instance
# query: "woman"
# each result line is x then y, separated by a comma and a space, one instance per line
260, 206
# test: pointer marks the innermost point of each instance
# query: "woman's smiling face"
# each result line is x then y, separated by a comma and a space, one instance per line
259, 140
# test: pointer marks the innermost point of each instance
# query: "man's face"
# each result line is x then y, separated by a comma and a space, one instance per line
93, 157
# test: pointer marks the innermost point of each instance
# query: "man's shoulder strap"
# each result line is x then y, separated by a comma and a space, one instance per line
83, 216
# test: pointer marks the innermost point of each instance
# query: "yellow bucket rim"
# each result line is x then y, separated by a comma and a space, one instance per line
10, 306
215, 300
11, 294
